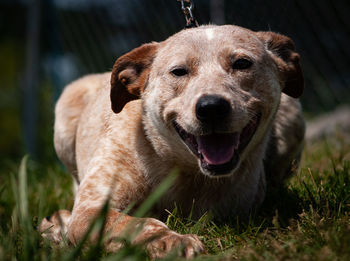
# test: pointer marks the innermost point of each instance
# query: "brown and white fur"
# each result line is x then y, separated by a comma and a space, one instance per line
121, 133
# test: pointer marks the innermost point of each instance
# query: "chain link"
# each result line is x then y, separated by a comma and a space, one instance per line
187, 6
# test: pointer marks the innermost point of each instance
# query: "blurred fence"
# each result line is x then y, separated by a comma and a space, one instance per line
60, 40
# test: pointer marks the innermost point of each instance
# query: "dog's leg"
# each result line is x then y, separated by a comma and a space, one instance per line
158, 239
121, 189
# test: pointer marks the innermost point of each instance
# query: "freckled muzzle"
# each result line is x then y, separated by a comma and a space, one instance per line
219, 153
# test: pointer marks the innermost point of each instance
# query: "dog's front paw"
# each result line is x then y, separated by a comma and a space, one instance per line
186, 246
54, 228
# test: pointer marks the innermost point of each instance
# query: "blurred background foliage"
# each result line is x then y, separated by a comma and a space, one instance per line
44, 44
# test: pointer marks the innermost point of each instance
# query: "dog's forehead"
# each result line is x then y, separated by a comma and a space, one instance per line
213, 38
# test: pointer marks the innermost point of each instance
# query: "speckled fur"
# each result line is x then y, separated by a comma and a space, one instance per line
114, 132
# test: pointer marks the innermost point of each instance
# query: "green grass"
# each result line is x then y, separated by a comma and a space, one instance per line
309, 219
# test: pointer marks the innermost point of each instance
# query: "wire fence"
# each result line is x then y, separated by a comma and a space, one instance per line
76, 37
92, 34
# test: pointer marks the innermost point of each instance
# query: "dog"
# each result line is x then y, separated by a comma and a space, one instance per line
217, 103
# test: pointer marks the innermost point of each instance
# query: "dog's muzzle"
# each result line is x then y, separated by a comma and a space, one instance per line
218, 153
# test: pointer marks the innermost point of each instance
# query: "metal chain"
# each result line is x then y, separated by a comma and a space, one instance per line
187, 6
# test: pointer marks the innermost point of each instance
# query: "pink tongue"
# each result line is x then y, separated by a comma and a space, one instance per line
218, 149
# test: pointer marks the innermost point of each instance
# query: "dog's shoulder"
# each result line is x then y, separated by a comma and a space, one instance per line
286, 141
68, 112
289, 119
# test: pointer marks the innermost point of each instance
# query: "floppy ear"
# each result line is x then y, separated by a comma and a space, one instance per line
287, 60
130, 75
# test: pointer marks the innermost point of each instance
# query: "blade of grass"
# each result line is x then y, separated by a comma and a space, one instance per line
158, 192
130, 232
22, 189
201, 223
25, 231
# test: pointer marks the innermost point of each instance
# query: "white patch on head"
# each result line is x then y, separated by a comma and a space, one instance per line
209, 33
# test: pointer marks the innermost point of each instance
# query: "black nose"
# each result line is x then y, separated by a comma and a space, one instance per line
211, 107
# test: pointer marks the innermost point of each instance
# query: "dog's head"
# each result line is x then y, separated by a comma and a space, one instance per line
209, 94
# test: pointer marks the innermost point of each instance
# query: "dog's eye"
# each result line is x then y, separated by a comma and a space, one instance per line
241, 64
179, 72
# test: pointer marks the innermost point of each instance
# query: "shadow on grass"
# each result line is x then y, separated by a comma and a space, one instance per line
280, 205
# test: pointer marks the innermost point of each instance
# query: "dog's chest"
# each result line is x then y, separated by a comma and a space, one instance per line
197, 197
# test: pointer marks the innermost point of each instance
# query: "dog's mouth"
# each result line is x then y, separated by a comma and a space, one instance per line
219, 153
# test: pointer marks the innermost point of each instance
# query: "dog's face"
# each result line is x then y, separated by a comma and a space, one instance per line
210, 93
